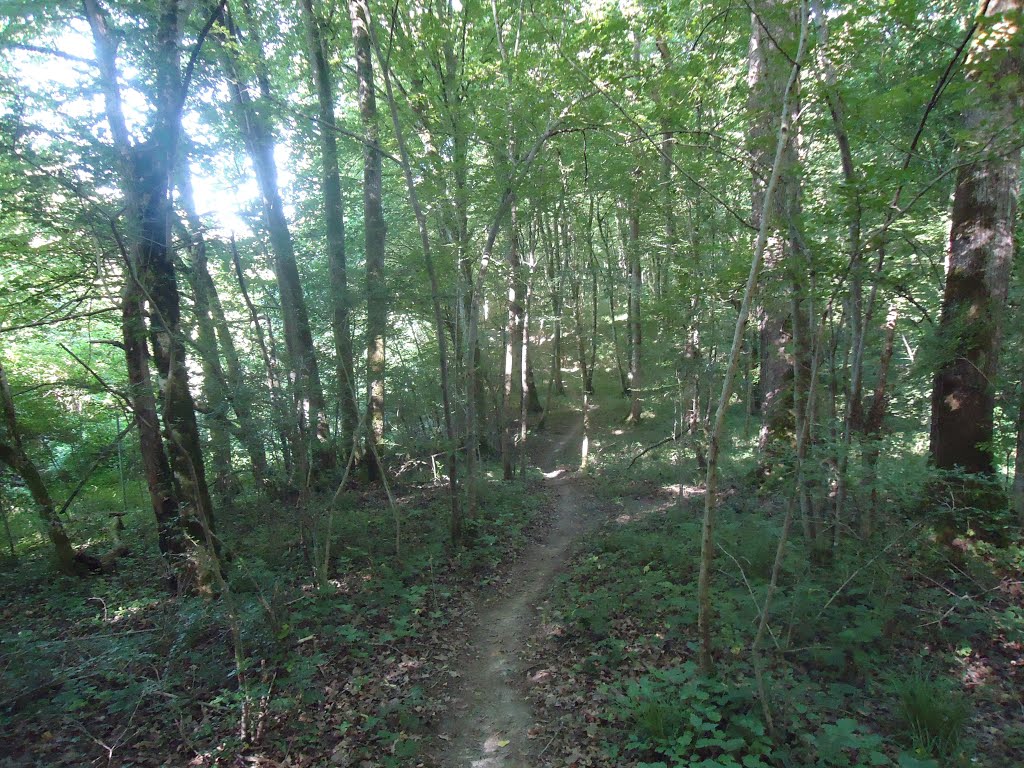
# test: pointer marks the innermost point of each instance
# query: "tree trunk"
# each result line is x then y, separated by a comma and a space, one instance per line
617, 347
576, 294
772, 38
282, 415
555, 275
235, 388
217, 423
527, 389
635, 327
334, 223
156, 467
513, 349
668, 189
456, 521
473, 326
705, 615
571, 264
373, 213
594, 298
145, 170
13, 454
981, 246
1018, 463
310, 427
214, 383
875, 418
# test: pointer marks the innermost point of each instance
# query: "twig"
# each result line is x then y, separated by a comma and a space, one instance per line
120, 396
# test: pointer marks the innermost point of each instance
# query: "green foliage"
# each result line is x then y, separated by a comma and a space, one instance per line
934, 715
690, 720
971, 506
848, 744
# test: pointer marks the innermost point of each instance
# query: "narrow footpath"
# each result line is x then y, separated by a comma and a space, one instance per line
490, 723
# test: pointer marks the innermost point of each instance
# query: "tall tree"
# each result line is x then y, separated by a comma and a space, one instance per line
512, 371
145, 170
981, 243
705, 610
214, 390
773, 37
456, 521
310, 427
236, 391
376, 228
636, 284
334, 223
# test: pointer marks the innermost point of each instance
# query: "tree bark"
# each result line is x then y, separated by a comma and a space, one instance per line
610, 286
512, 375
635, 326
156, 467
1018, 463
772, 38
981, 246
282, 414
456, 522
874, 421
555, 277
373, 214
705, 615
214, 390
234, 387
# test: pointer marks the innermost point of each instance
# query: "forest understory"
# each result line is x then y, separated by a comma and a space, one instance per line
542, 644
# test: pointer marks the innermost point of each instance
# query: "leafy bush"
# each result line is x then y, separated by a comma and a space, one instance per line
847, 744
690, 720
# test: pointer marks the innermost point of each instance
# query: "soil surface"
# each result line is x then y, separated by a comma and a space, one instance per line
490, 726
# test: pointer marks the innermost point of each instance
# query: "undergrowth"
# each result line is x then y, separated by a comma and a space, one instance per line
343, 659
896, 651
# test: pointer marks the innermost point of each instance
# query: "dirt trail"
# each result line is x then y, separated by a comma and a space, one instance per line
489, 724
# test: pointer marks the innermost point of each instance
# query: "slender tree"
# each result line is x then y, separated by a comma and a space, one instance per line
705, 609
636, 284
334, 223
456, 521
14, 455
772, 42
235, 389
309, 426
375, 226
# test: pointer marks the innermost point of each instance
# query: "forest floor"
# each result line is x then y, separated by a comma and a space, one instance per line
561, 635
492, 723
